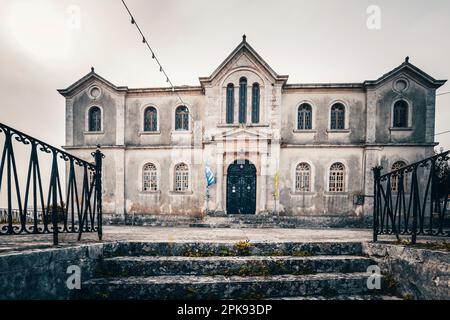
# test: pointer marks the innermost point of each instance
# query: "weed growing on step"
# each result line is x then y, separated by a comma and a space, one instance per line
197, 253
224, 251
390, 282
243, 248
408, 296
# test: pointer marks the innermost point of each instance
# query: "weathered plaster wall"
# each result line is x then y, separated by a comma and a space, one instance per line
319, 200
108, 101
321, 101
418, 96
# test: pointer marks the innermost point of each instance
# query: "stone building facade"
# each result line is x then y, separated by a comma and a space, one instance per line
293, 149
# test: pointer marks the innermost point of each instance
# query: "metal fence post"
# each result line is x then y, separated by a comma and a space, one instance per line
376, 180
98, 156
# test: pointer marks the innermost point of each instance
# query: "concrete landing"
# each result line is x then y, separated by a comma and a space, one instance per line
158, 234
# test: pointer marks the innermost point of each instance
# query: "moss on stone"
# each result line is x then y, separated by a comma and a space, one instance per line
302, 253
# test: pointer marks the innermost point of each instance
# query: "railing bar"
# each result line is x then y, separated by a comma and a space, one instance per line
45, 145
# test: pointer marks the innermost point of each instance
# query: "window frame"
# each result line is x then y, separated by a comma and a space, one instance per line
144, 111
242, 114
256, 103
187, 119
344, 178
156, 174
345, 120
394, 179
88, 119
310, 177
229, 104
409, 114
304, 104
187, 176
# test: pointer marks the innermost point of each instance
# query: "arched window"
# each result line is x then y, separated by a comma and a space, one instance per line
304, 117
150, 119
230, 103
400, 114
337, 177
242, 100
302, 177
255, 103
337, 121
95, 119
181, 177
395, 179
149, 178
182, 118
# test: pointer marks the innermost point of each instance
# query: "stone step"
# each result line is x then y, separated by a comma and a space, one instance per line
274, 221
240, 266
240, 248
223, 287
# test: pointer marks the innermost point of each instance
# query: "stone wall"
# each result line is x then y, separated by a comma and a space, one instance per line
418, 273
41, 274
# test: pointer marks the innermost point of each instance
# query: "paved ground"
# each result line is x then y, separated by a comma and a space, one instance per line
114, 233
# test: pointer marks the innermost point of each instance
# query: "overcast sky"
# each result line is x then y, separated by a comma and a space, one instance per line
46, 45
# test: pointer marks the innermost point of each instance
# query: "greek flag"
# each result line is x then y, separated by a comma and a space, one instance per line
210, 179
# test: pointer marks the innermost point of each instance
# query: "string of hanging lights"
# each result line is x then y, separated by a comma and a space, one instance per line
154, 57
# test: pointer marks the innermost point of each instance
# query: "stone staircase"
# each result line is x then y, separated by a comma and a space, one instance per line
241, 270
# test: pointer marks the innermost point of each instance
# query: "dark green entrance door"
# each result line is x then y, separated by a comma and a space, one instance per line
241, 188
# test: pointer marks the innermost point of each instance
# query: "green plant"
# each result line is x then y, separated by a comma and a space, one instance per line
391, 282
408, 296
243, 248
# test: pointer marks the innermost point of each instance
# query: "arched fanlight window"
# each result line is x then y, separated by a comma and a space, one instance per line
181, 183
304, 117
150, 119
337, 121
149, 177
230, 103
303, 177
395, 179
95, 119
182, 118
255, 103
400, 114
337, 177
242, 100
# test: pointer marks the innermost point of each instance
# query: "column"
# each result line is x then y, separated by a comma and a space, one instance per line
264, 172
219, 179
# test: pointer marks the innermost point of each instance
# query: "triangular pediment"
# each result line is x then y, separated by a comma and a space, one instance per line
410, 70
242, 134
86, 81
244, 56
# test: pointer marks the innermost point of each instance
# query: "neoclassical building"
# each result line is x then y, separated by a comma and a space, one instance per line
273, 146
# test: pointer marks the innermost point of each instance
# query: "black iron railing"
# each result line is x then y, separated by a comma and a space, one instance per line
32, 209
413, 200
